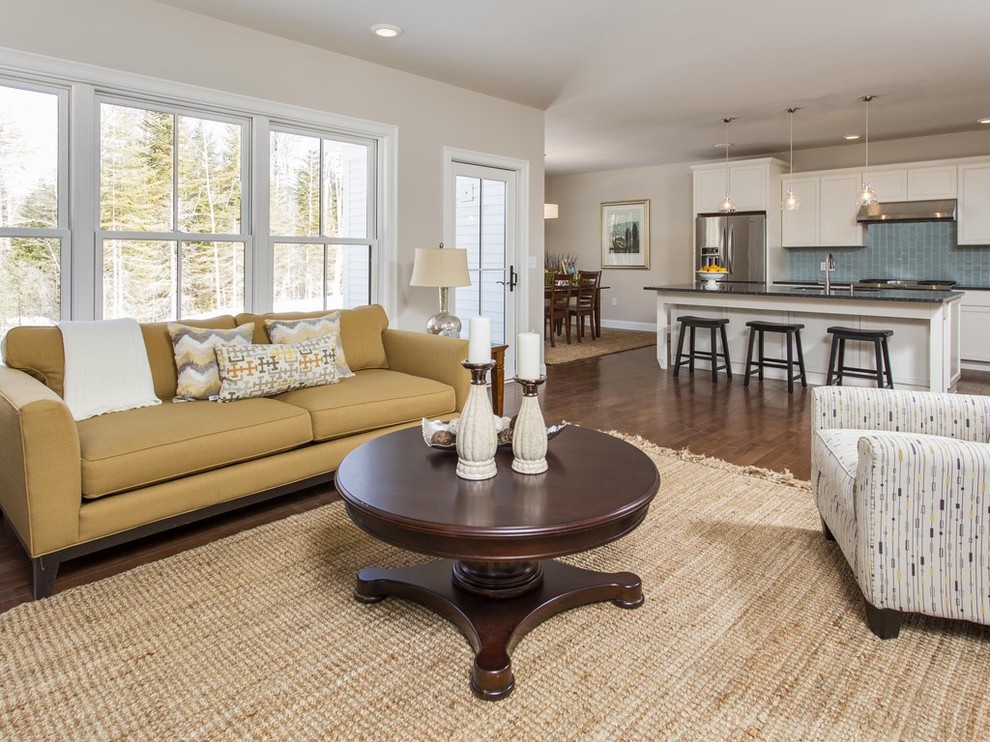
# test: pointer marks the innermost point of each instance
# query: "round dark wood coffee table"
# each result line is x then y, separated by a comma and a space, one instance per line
497, 579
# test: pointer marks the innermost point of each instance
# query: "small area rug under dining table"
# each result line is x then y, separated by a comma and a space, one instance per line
752, 628
611, 341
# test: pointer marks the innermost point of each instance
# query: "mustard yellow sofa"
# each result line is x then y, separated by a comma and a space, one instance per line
70, 488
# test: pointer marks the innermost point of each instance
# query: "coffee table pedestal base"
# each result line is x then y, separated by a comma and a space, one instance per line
494, 624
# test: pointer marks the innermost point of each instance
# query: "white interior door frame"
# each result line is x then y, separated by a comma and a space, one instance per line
519, 226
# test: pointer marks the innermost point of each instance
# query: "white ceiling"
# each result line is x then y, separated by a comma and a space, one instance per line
642, 82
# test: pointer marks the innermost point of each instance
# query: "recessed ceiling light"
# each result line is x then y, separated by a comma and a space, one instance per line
851, 137
983, 121
386, 30
722, 145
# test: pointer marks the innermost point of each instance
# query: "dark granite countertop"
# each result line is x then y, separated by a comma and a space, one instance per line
812, 291
845, 284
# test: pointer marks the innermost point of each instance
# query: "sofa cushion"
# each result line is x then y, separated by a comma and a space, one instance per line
361, 331
309, 328
373, 398
136, 448
161, 352
272, 368
196, 357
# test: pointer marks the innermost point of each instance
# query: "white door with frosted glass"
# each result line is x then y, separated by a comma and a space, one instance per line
483, 220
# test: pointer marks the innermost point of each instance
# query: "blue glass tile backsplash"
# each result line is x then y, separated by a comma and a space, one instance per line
913, 250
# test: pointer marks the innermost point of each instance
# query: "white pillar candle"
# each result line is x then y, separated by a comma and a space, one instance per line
479, 340
528, 356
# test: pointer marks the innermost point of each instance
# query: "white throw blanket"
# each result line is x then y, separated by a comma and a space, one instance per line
106, 367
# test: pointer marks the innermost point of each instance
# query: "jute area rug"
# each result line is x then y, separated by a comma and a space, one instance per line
611, 341
752, 629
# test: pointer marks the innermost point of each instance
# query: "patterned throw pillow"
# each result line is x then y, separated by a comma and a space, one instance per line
263, 370
298, 330
196, 358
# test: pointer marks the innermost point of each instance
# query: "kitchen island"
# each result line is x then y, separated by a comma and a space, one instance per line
924, 349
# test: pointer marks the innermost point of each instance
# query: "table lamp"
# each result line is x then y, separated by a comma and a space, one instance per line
443, 268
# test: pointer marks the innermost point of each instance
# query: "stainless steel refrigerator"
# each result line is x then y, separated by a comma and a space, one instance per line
735, 241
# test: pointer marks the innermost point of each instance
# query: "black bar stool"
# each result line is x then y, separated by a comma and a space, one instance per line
837, 367
793, 339
711, 355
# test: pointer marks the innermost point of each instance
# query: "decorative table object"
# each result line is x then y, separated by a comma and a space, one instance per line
476, 435
529, 436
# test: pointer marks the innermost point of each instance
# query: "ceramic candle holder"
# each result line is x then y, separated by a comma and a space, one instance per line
529, 436
476, 437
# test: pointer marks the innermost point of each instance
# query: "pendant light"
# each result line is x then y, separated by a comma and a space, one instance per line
866, 196
727, 206
791, 201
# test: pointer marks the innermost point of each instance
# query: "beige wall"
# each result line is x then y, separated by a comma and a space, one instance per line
669, 189
916, 149
141, 37
577, 231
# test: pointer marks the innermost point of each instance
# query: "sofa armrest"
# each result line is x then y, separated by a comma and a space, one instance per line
430, 356
40, 472
923, 536
962, 416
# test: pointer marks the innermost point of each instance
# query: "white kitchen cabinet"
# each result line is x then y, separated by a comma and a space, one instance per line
889, 185
801, 227
709, 187
974, 204
975, 325
750, 184
931, 182
750, 187
838, 226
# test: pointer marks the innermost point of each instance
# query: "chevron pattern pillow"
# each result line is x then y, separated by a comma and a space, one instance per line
299, 330
196, 358
264, 370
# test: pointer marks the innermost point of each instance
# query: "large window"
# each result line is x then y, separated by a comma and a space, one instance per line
185, 203
171, 215
322, 209
32, 205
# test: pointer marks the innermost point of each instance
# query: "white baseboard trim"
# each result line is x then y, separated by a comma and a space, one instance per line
625, 325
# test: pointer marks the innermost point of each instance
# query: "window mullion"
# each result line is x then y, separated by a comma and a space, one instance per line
259, 271
84, 277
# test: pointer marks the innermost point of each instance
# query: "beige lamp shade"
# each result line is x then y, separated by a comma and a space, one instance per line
438, 266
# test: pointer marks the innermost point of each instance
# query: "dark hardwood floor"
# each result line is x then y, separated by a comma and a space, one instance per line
761, 426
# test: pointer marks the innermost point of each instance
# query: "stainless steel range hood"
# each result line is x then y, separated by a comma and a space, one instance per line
941, 210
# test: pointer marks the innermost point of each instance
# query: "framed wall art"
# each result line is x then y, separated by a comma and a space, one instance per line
626, 234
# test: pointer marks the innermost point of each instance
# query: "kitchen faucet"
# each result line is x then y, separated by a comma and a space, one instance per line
828, 266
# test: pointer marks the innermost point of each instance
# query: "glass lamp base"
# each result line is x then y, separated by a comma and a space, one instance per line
444, 323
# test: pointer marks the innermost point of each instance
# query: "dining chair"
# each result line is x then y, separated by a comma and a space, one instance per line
555, 307
596, 276
582, 303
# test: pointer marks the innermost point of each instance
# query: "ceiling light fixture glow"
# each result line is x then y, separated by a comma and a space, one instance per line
386, 30
791, 201
983, 121
851, 137
866, 195
728, 205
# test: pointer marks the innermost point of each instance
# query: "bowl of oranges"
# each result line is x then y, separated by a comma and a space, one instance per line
712, 273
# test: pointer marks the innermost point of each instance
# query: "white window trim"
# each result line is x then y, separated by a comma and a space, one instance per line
87, 81
61, 231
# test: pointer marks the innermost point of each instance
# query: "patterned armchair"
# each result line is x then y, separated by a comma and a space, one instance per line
901, 481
